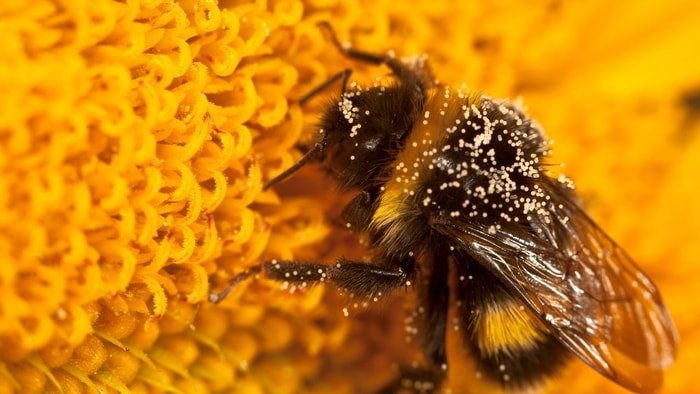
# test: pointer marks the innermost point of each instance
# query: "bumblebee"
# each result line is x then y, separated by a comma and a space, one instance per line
447, 180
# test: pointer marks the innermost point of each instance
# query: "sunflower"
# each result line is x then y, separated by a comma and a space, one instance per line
135, 137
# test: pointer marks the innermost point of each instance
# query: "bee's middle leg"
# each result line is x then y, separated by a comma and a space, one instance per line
432, 317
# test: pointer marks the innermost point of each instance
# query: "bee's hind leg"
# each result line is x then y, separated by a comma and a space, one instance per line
432, 315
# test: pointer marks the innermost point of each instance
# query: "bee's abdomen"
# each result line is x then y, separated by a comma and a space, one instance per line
522, 356
508, 343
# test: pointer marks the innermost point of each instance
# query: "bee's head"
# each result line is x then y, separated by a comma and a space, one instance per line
361, 132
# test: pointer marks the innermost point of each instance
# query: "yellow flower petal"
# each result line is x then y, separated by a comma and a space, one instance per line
135, 139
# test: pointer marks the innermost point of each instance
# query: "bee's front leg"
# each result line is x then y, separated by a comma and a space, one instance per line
358, 278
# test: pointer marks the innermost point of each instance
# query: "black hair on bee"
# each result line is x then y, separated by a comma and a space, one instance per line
450, 181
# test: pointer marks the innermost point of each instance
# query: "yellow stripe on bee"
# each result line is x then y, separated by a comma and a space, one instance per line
506, 328
391, 214
391, 203
395, 203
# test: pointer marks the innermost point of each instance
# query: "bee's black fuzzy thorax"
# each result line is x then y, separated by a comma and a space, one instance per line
487, 164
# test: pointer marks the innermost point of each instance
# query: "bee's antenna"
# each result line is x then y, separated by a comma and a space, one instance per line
308, 156
348, 51
401, 70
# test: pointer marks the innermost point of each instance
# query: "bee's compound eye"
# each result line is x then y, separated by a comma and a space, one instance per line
357, 159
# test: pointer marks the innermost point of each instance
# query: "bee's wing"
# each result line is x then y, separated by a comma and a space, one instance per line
582, 286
